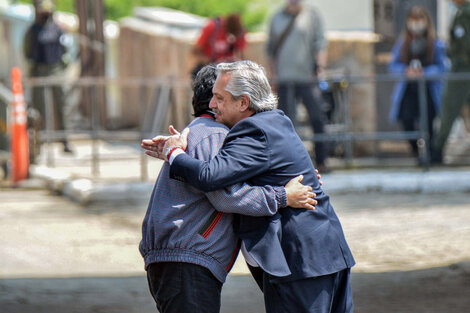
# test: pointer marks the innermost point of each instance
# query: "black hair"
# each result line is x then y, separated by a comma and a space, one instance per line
202, 89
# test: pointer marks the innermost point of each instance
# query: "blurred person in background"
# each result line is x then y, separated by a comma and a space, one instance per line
221, 40
44, 50
297, 55
417, 53
457, 91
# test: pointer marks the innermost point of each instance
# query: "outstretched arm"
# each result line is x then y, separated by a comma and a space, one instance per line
250, 200
262, 201
244, 155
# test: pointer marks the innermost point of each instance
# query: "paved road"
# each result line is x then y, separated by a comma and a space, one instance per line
412, 251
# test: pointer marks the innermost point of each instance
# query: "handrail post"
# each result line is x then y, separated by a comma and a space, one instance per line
48, 112
348, 145
143, 106
95, 166
423, 119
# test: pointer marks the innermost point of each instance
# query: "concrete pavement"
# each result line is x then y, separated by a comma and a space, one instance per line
412, 255
125, 174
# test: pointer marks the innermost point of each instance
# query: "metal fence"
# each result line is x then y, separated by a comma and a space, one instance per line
155, 99
347, 136
154, 113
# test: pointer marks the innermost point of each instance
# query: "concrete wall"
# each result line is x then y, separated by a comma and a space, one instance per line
346, 15
338, 14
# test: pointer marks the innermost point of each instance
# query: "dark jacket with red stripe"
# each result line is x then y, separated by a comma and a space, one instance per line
183, 224
264, 149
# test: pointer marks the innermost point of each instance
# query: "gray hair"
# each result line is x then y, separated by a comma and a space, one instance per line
249, 78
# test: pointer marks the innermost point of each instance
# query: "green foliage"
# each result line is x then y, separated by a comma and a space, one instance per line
253, 12
61, 5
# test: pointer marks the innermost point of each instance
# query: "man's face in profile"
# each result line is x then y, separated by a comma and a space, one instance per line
227, 110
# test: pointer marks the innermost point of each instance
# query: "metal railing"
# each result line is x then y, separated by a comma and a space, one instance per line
152, 120
152, 112
348, 136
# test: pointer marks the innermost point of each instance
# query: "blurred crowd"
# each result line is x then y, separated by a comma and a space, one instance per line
297, 53
296, 50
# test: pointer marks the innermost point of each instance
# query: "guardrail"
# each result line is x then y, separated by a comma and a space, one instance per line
153, 118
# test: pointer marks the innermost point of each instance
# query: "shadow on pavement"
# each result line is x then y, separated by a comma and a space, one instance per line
443, 289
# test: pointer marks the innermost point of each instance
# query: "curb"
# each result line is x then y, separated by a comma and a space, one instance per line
86, 191
398, 182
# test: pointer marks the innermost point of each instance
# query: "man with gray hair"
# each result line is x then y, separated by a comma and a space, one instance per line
300, 258
188, 242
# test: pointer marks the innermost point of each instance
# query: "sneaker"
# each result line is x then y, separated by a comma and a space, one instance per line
436, 156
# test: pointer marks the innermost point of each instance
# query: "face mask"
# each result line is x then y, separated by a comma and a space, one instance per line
417, 27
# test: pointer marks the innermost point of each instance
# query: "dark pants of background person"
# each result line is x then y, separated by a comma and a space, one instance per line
57, 96
410, 114
289, 95
456, 95
323, 294
184, 288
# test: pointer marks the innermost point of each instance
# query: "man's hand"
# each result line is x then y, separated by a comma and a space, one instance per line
319, 177
155, 146
176, 140
298, 195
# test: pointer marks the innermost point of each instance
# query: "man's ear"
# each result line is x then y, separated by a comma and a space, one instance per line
245, 103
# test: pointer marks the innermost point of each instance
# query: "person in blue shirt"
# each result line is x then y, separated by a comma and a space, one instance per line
416, 53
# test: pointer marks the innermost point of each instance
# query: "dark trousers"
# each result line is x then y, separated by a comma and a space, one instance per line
410, 114
57, 96
184, 288
289, 95
324, 294
456, 96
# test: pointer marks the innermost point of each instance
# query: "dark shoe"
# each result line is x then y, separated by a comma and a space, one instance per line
67, 148
436, 156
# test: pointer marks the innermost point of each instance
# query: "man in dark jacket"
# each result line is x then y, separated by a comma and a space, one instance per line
188, 242
302, 255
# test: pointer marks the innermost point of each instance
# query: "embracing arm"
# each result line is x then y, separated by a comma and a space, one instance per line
262, 201
247, 200
245, 154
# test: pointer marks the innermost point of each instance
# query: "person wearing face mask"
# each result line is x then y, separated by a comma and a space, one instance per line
416, 53
457, 91
44, 51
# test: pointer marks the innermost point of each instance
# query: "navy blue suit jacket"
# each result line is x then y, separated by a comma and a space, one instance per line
264, 149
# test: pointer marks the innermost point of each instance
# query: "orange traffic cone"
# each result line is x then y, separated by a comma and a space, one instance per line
19, 146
